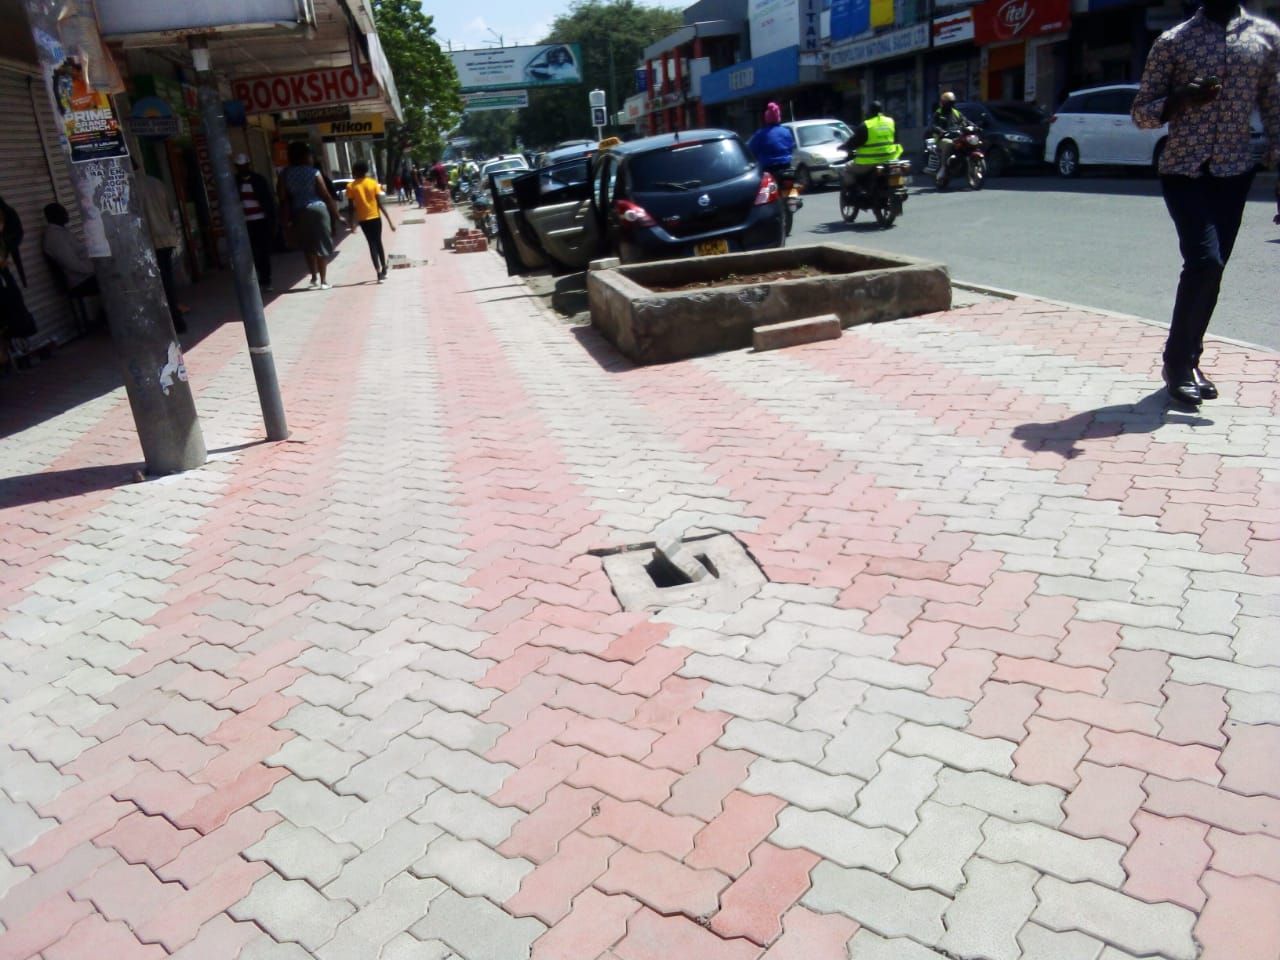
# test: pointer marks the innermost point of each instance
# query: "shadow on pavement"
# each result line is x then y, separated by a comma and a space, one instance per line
60, 484
601, 350
1146, 416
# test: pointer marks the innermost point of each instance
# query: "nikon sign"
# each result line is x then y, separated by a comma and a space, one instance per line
360, 125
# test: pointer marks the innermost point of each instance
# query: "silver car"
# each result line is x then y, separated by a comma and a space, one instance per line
818, 158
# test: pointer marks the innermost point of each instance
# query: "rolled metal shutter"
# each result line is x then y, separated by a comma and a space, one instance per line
33, 172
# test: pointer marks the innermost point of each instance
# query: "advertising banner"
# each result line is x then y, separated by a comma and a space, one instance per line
508, 68
880, 47
775, 24
360, 125
88, 120
498, 100
953, 28
121, 17
310, 88
849, 18
997, 21
882, 13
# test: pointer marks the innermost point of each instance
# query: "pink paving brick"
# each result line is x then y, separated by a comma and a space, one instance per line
702, 790
1193, 714
663, 884
521, 743
1241, 920
623, 779
508, 672
962, 674
665, 710
679, 748
1113, 715
1138, 676
725, 844
95, 937
56, 843
1251, 759
926, 641
1245, 856
607, 737
548, 892
1166, 860
139, 838
212, 811
1051, 752
230, 882
644, 828
1142, 752
647, 675
48, 923
1104, 802
1011, 643
1054, 676
813, 936
201, 858
632, 646
595, 923
754, 903
528, 787
1089, 644
582, 667
1003, 709
538, 835
651, 936
591, 700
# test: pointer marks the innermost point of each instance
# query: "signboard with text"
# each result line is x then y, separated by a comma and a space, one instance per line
310, 88
849, 18
879, 47
358, 126
509, 68
998, 21
124, 17
497, 100
953, 28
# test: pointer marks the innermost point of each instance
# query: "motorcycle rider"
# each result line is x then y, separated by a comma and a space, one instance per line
946, 119
875, 139
773, 144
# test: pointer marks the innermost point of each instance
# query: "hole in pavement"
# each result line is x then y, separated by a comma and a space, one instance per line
700, 571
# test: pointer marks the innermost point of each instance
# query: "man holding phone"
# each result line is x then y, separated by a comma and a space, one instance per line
1204, 78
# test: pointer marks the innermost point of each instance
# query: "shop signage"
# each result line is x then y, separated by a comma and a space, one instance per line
339, 111
633, 108
849, 18
778, 24
310, 88
153, 118
954, 28
360, 125
997, 21
880, 47
757, 76
507, 68
882, 13
499, 100
121, 17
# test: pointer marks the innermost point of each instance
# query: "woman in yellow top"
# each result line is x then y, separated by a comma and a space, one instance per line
365, 207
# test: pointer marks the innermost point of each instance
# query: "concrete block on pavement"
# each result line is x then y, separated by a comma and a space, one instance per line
792, 333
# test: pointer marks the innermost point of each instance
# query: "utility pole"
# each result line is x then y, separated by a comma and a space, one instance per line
246, 277
614, 105
124, 263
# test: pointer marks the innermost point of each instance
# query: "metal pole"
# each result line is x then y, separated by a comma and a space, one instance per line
119, 244
246, 277
613, 89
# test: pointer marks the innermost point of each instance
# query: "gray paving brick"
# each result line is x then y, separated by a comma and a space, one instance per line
829, 706
264, 948
468, 817
292, 910
368, 779
1006, 799
463, 771
986, 915
301, 853
459, 731
801, 672
803, 786
324, 691
319, 723
750, 703
857, 748
362, 879
455, 695
20, 826
892, 796
773, 740
11, 876
1140, 928
880, 905
866, 945
369, 821
368, 736
473, 869
729, 671
381, 695
314, 760
837, 838
935, 852
28, 781
882, 673
956, 749
408, 947
403, 903
476, 929
1054, 852
921, 707
1041, 943
308, 803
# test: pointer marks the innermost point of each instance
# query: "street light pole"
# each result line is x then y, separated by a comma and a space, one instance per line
119, 244
242, 269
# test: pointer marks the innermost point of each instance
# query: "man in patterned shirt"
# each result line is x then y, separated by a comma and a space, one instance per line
1204, 78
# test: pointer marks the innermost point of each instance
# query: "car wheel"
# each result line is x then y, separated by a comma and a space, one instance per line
997, 163
1068, 159
804, 179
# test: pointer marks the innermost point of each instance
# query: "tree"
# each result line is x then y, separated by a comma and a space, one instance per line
425, 78
491, 132
611, 33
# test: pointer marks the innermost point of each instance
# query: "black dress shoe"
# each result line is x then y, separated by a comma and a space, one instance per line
1208, 389
1182, 385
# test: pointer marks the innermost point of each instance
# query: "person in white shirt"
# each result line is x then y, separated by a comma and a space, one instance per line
61, 246
164, 237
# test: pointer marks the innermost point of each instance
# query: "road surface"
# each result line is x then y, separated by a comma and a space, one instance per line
1102, 242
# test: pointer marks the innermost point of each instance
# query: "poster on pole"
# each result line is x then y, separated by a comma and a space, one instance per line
510, 68
88, 119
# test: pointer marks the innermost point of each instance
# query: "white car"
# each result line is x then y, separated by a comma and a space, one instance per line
1093, 127
500, 164
817, 158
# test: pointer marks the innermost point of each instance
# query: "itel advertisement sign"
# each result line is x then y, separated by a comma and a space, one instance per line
311, 88
999, 21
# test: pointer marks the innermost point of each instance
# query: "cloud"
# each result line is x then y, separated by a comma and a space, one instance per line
477, 25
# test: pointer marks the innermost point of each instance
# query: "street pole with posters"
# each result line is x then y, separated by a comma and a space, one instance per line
119, 244
238, 246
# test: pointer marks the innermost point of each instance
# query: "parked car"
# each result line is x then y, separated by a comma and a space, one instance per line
499, 164
1014, 132
1093, 128
818, 158
695, 193
573, 151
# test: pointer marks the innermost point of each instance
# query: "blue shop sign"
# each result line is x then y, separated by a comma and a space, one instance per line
753, 77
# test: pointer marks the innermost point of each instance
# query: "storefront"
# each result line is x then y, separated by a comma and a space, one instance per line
739, 93
1018, 41
892, 72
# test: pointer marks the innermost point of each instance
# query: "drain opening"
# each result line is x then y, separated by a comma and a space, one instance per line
693, 571
664, 573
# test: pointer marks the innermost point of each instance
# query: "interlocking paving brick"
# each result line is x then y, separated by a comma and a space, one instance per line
548, 892
292, 910
1003, 798
955, 749
467, 816
1241, 918
402, 903
755, 902
1041, 943
803, 786
1140, 928
836, 838
594, 923
302, 853
990, 909
476, 929
663, 884
857, 748
1166, 860
879, 905
892, 796
472, 868
1053, 852
869, 946
643, 828
314, 760
935, 852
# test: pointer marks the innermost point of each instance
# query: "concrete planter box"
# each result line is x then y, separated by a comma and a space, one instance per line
657, 326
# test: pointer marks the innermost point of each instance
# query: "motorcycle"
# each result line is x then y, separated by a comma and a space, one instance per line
968, 158
882, 189
789, 191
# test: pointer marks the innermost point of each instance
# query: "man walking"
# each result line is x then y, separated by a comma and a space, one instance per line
164, 238
259, 216
1204, 78
365, 208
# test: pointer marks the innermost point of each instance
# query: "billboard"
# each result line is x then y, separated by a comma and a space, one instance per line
497, 100
120, 17
310, 88
510, 68
998, 20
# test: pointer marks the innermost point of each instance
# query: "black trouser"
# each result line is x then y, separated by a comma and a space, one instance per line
1206, 211
261, 238
164, 258
373, 233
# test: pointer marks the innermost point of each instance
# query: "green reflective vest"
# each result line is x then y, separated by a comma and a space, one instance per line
881, 145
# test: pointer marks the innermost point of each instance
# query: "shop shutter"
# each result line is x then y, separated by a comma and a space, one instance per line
33, 172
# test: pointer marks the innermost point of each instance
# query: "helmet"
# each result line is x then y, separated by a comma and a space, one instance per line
772, 113
948, 97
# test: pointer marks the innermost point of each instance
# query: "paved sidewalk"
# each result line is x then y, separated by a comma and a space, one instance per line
1013, 689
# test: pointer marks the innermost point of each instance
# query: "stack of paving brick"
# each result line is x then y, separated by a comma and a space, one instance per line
438, 201
469, 241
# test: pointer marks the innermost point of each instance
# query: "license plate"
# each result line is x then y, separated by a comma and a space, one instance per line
710, 248
896, 181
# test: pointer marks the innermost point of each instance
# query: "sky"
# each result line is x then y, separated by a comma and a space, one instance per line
468, 24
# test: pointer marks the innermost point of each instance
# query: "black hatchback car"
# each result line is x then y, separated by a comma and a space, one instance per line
1014, 132
695, 193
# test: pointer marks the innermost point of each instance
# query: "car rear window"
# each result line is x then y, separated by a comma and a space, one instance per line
822, 133
686, 166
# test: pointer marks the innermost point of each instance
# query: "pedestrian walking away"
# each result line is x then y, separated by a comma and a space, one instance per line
164, 238
307, 204
365, 208
1204, 78
259, 216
